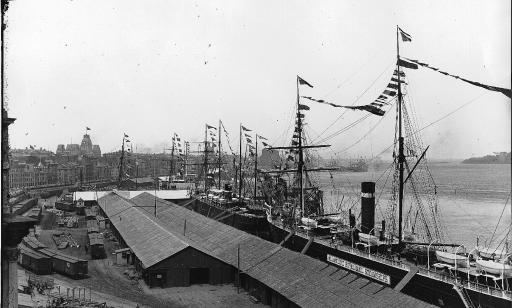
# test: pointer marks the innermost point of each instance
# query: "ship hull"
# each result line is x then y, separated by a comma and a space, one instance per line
250, 223
431, 290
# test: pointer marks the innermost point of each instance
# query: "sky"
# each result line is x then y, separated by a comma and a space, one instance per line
153, 68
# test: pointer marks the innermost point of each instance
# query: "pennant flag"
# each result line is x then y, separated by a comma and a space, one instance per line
262, 138
127, 140
248, 140
211, 127
300, 115
505, 91
396, 73
303, 107
404, 63
303, 82
393, 86
251, 146
372, 109
126, 136
405, 37
246, 129
389, 93
264, 144
396, 80
87, 128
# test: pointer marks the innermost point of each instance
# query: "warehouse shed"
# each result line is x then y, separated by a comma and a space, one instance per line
275, 275
36, 262
163, 258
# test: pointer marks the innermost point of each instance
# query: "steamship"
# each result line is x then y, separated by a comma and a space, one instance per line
407, 250
221, 202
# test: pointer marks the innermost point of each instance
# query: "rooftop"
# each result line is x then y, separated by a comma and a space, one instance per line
147, 239
302, 279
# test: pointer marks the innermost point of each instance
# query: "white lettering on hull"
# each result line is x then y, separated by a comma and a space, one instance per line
360, 269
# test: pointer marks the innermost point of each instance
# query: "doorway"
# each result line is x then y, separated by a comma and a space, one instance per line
199, 276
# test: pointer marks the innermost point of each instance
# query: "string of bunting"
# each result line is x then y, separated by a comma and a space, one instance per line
374, 107
227, 137
413, 64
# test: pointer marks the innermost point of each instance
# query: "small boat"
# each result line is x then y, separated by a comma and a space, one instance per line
452, 258
489, 253
312, 223
368, 239
493, 267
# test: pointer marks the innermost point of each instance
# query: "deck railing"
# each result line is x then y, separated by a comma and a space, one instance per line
474, 286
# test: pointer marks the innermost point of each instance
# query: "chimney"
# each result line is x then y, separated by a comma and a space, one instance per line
367, 207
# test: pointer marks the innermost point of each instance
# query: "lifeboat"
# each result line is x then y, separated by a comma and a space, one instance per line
451, 258
368, 238
489, 253
493, 267
309, 222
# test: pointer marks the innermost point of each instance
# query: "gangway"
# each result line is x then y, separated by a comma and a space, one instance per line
412, 271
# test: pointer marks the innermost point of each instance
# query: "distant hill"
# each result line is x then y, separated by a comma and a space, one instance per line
497, 158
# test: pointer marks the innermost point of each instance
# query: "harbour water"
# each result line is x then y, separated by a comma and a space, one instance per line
471, 198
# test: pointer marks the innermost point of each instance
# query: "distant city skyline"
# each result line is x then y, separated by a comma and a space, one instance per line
174, 67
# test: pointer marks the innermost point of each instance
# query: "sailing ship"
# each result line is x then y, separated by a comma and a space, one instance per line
221, 196
409, 250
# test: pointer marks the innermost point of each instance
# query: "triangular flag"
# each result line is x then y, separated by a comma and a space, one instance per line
405, 37
303, 82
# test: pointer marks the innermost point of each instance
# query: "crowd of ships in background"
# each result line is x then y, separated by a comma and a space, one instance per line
408, 249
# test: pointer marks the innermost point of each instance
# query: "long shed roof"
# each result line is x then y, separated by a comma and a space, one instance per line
303, 280
167, 194
150, 242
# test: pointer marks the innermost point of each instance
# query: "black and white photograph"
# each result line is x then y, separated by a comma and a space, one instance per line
244, 153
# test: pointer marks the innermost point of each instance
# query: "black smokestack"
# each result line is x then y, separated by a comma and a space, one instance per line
367, 207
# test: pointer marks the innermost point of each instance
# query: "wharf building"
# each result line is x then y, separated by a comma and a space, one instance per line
71, 164
178, 247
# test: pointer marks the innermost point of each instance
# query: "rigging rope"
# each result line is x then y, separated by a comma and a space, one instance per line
502, 211
356, 100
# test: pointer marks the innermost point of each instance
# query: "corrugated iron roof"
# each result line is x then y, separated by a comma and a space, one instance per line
178, 194
305, 281
88, 195
147, 239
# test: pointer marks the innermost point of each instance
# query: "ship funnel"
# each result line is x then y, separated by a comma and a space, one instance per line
367, 207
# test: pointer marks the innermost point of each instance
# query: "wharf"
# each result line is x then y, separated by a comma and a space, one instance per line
277, 276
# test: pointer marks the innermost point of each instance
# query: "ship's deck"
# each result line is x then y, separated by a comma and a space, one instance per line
431, 272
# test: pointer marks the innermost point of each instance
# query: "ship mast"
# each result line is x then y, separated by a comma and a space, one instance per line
205, 155
240, 168
300, 166
121, 165
255, 169
171, 169
219, 148
401, 157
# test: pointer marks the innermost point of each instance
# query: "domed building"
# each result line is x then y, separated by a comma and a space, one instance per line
86, 145
96, 150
